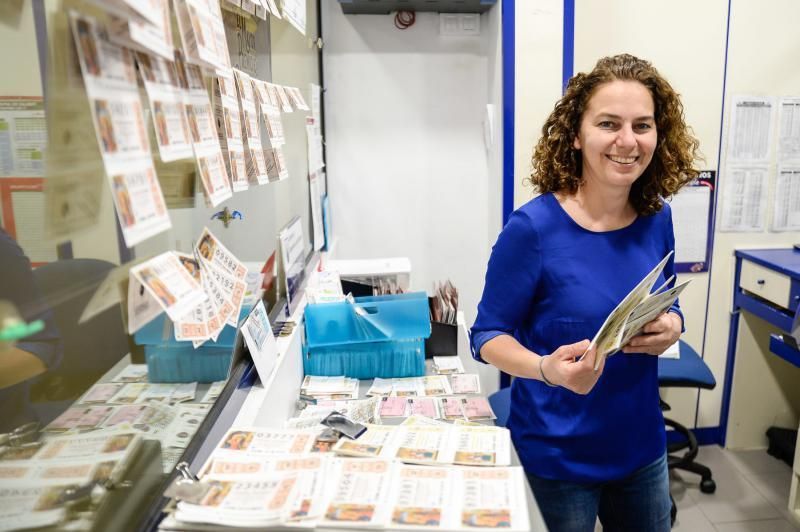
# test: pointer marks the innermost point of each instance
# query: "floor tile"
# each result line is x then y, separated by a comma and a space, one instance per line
691, 519
735, 499
768, 525
775, 488
756, 462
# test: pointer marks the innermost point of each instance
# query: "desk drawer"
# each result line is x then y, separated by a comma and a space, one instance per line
769, 284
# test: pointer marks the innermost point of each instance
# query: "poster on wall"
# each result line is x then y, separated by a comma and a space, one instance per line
691, 219
23, 136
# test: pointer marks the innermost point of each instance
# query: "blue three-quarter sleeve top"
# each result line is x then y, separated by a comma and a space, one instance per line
550, 282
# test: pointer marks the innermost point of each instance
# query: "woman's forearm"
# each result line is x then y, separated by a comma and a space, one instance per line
506, 354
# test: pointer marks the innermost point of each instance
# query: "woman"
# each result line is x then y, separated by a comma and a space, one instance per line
592, 442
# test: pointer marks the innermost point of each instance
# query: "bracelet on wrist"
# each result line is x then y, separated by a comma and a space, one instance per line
541, 372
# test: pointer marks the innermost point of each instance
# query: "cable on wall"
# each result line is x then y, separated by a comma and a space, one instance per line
404, 19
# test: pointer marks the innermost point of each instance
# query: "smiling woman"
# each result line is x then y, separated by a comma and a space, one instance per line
558, 159
592, 442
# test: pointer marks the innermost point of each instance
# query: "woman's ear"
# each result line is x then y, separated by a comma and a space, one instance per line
576, 143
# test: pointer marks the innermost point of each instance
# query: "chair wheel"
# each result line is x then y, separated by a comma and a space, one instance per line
708, 486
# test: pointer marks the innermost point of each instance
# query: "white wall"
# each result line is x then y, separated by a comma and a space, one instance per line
538, 36
407, 167
762, 61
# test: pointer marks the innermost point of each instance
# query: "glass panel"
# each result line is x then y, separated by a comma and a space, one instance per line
80, 208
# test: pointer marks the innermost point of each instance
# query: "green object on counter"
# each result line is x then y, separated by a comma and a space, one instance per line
20, 330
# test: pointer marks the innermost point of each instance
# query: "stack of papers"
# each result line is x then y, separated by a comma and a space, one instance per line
447, 365
329, 388
432, 444
34, 478
252, 481
360, 411
431, 385
635, 311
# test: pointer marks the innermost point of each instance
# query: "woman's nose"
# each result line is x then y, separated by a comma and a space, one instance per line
626, 137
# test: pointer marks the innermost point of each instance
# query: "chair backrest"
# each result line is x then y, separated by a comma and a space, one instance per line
501, 404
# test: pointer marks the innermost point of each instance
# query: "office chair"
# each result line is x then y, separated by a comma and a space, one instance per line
90, 348
688, 371
501, 404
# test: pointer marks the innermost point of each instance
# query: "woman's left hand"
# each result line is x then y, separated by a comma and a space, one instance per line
657, 335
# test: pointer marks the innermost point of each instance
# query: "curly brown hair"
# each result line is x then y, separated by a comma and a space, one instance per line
557, 166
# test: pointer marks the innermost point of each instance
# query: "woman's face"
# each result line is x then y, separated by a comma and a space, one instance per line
617, 136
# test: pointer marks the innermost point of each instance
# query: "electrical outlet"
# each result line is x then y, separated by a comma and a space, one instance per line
459, 24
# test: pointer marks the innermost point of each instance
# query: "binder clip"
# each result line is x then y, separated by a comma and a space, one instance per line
186, 486
340, 423
24, 434
78, 499
186, 473
305, 400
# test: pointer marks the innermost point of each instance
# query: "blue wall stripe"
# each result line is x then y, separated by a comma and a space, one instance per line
508, 107
509, 55
726, 391
568, 44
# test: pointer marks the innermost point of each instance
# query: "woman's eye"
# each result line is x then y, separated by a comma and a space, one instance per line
643, 126
606, 124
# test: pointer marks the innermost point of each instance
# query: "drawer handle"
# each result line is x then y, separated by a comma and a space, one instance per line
760, 282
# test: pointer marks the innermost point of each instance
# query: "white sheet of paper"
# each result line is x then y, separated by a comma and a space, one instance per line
316, 211
673, 351
750, 130
261, 343
786, 210
690, 211
744, 198
789, 131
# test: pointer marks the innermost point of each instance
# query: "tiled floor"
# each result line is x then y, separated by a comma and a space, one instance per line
752, 494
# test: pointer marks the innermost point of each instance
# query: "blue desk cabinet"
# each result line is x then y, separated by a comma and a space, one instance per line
762, 386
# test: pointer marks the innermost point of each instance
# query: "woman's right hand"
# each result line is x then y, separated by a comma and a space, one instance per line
562, 369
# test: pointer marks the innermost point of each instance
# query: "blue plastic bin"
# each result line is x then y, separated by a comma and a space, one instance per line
169, 360
380, 336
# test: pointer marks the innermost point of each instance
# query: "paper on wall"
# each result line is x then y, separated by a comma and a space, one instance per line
151, 36
203, 131
251, 129
23, 136
110, 81
744, 198
786, 210
167, 106
203, 33
750, 130
789, 131
226, 108
295, 12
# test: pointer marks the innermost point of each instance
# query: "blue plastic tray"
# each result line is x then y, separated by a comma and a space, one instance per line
381, 336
